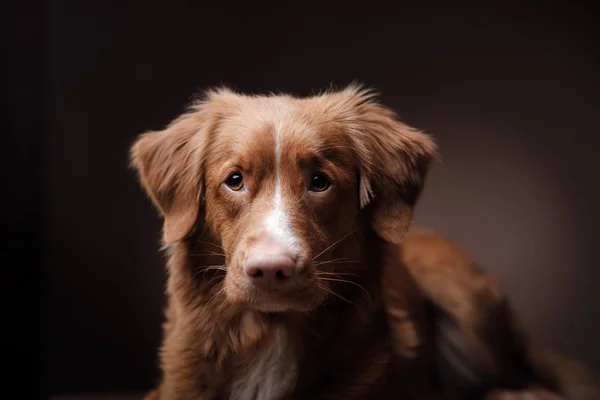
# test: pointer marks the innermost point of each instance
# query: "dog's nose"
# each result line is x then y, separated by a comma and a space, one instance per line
269, 269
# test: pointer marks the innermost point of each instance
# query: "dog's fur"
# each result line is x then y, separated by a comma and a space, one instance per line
372, 311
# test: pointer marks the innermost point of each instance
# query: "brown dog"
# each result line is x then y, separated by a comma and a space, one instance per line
284, 220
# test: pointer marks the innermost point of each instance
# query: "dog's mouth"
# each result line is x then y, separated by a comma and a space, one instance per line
299, 294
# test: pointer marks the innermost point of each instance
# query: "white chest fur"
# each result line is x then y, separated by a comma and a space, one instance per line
271, 374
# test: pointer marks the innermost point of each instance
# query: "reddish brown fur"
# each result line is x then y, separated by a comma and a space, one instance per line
371, 332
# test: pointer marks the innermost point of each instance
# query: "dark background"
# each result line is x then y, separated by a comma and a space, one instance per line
511, 92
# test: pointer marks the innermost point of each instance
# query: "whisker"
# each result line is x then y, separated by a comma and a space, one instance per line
334, 243
207, 254
341, 258
317, 273
221, 266
337, 262
350, 282
214, 295
216, 245
207, 268
215, 253
337, 295
217, 276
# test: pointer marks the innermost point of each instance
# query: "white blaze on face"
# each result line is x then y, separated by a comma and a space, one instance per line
277, 222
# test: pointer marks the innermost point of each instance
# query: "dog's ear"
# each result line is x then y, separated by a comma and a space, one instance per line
394, 160
169, 166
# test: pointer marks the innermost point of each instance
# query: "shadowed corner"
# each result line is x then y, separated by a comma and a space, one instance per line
103, 396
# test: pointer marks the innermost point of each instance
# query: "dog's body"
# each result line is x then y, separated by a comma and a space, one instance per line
291, 274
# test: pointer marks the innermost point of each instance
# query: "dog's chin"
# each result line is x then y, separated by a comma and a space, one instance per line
266, 304
271, 307
274, 303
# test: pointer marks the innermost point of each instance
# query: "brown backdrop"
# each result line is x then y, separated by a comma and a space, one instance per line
511, 94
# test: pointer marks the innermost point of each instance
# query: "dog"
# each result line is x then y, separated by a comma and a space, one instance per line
293, 270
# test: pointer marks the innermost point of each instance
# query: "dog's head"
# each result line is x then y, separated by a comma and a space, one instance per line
279, 184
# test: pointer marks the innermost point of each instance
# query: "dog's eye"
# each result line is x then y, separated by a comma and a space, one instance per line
235, 181
319, 183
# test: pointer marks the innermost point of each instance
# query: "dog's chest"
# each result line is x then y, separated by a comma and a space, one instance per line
271, 374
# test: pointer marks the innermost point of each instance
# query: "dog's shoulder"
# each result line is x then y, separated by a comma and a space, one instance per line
465, 321
448, 275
